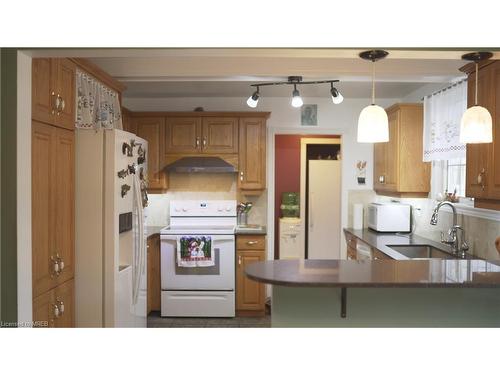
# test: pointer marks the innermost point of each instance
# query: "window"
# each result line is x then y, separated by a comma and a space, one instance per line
455, 176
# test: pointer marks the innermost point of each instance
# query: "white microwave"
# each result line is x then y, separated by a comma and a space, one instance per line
389, 217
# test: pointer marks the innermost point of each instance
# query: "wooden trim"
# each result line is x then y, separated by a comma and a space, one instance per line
99, 74
251, 313
487, 203
398, 106
470, 67
402, 195
201, 114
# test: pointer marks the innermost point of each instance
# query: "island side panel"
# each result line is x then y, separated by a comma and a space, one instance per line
386, 307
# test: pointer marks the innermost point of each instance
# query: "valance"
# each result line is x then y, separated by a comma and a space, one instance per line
97, 106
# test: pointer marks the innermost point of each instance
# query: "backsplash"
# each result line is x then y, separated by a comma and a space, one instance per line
201, 186
480, 233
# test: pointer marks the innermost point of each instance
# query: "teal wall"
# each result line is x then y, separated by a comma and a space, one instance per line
8, 189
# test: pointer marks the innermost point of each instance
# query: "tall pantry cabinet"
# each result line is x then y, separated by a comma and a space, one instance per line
53, 186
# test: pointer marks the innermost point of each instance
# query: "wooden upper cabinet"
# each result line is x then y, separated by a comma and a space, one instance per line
53, 92
252, 154
494, 167
52, 206
65, 87
398, 166
220, 135
477, 155
183, 135
43, 90
152, 129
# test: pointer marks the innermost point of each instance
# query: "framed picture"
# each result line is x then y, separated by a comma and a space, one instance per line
309, 115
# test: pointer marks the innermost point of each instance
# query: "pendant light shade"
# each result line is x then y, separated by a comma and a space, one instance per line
253, 99
476, 125
373, 125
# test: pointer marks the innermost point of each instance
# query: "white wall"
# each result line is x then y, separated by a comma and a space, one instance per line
332, 119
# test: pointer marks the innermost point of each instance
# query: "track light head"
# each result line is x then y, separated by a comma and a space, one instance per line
337, 97
253, 99
297, 101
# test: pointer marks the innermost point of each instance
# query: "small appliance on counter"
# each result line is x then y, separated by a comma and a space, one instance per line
389, 217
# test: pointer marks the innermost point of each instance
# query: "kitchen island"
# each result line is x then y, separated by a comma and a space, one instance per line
382, 293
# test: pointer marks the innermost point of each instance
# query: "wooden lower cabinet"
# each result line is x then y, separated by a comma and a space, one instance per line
56, 308
250, 295
154, 281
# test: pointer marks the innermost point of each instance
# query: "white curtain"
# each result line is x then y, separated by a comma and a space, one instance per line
97, 107
442, 114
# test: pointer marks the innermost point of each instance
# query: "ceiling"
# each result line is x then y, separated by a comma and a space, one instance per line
192, 72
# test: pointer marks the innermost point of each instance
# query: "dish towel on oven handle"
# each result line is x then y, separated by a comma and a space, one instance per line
195, 251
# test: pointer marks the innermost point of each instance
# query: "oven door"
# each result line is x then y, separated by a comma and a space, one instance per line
217, 277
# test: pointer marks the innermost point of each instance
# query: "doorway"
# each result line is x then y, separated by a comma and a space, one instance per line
289, 176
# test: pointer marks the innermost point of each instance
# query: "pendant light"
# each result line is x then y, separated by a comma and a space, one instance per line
373, 123
476, 124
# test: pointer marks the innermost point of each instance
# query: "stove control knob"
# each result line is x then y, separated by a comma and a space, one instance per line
177, 209
184, 209
219, 209
228, 208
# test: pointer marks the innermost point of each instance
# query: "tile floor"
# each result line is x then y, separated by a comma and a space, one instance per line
156, 321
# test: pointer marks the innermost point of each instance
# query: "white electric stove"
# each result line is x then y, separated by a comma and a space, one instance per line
199, 291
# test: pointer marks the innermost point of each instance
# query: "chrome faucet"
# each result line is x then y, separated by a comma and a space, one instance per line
459, 246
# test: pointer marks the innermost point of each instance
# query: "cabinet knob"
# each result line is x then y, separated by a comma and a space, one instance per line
61, 307
381, 179
204, 142
56, 311
481, 178
241, 176
252, 242
239, 260
197, 142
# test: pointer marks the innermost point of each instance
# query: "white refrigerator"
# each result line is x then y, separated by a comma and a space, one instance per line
324, 226
110, 273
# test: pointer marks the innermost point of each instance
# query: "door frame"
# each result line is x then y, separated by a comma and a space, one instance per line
303, 180
271, 132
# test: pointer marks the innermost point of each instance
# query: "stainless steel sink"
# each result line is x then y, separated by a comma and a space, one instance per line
421, 252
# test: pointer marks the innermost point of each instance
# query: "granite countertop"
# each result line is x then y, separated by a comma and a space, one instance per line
261, 231
381, 241
152, 230
432, 273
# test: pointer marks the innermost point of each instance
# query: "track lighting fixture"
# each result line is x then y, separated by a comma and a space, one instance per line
253, 99
476, 125
373, 123
337, 97
297, 101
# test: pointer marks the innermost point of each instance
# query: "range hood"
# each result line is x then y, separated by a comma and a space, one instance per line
200, 164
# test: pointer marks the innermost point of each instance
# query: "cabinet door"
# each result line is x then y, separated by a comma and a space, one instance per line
183, 135
64, 202
154, 281
379, 166
42, 177
250, 295
44, 310
65, 78
64, 300
494, 166
43, 90
477, 168
152, 129
252, 154
392, 152
220, 135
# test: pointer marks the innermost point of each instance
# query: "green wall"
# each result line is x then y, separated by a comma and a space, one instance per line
8, 189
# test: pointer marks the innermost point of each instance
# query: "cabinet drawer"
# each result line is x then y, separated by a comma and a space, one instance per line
251, 242
55, 308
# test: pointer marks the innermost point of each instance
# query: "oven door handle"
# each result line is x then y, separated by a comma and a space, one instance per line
215, 237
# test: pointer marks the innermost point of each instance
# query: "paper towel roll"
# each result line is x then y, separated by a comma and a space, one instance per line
357, 216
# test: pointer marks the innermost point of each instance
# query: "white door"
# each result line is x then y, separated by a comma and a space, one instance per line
324, 209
